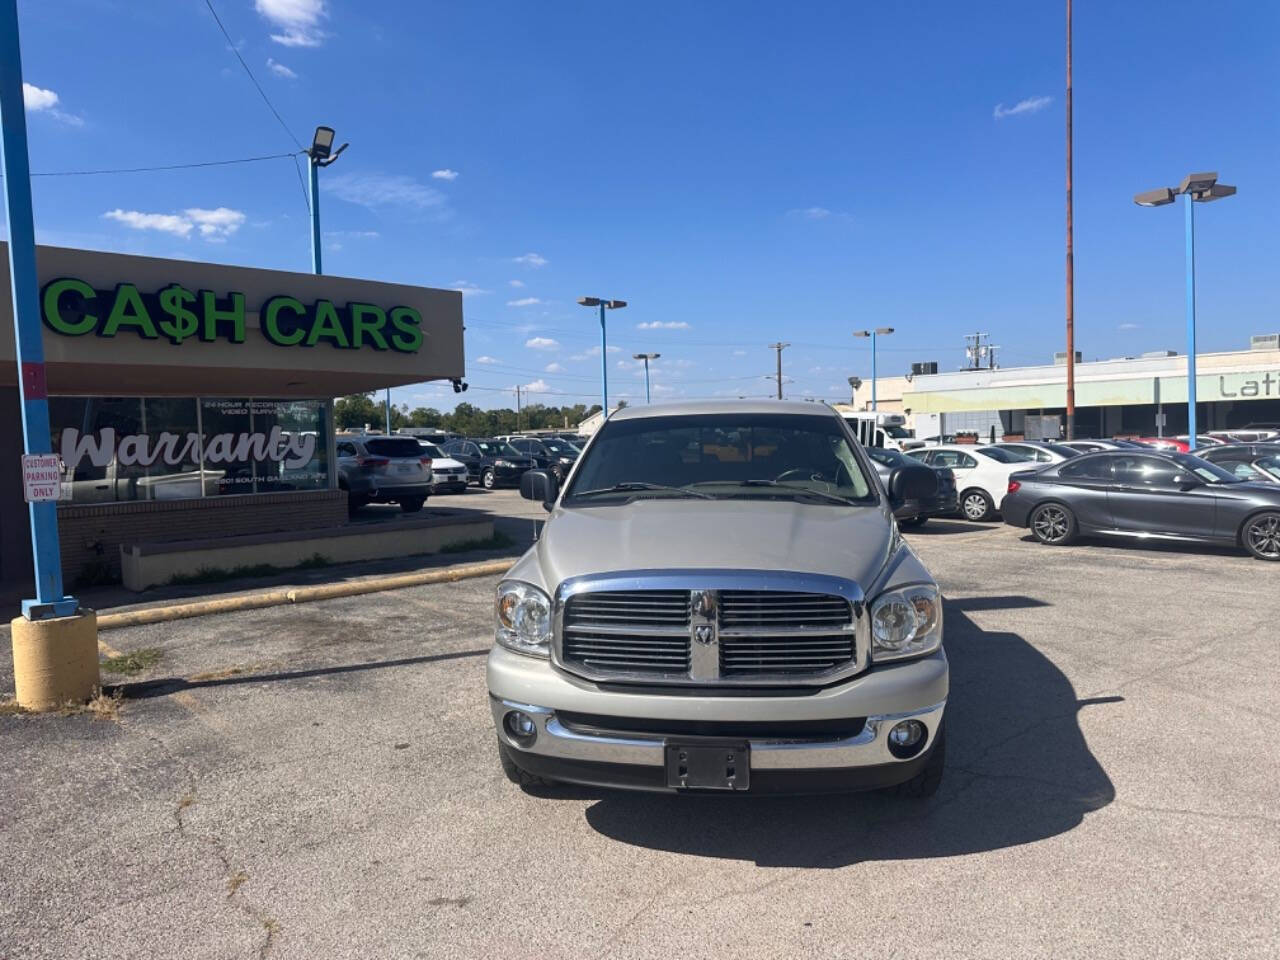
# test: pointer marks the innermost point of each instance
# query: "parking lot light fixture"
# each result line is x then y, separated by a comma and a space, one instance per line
646, 357
604, 346
319, 154
878, 331
1195, 188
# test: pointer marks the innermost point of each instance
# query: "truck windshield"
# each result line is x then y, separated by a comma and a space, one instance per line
755, 455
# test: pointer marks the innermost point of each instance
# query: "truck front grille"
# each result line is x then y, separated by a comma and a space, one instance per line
633, 631
750, 636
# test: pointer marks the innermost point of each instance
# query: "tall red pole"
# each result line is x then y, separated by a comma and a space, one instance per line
1071, 279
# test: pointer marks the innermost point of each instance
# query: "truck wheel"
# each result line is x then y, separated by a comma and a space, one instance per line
487, 480
1054, 524
517, 774
1261, 536
976, 505
412, 504
925, 783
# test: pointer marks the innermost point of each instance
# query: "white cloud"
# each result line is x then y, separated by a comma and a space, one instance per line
487, 360
383, 190
164, 222
739, 353
217, 224
1128, 326
663, 325
531, 260
541, 343
445, 174
1029, 105
661, 388
214, 225
554, 368
593, 352
351, 234
280, 70
538, 386
812, 213
298, 21
39, 100
523, 302
36, 99
467, 289
515, 283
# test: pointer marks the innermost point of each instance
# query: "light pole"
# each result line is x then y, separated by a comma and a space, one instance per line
28, 334
646, 357
320, 154
881, 331
604, 348
1195, 188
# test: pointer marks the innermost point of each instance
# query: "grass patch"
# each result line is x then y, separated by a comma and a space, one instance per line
96, 573
245, 571
498, 541
9, 707
101, 707
129, 664
235, 882
216, 675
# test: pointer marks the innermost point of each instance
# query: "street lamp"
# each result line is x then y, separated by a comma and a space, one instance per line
1195, 188
320, 154
881, 331
646, 357
604, 347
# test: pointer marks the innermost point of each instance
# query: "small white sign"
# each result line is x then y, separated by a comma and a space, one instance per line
41, 477
1161, 421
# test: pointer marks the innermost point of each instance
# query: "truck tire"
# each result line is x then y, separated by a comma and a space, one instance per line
925, 783
515, 773
487, 480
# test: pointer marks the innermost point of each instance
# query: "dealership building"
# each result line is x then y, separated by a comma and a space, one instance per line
1129, 396
193, 401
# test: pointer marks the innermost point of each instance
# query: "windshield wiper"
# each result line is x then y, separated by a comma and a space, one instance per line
775, 485
637, 486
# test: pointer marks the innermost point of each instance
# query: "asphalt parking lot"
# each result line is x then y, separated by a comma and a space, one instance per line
321, 781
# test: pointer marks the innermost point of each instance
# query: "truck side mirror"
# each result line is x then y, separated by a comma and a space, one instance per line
913, 483
539, 485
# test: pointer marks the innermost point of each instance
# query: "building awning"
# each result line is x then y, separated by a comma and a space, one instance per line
141, 326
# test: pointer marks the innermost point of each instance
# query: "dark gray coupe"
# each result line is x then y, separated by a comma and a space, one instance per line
1148, 494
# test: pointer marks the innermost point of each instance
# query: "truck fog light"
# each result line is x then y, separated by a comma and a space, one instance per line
907, 738
520, 727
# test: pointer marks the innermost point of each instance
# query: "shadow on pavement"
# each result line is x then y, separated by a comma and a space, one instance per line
1018, 771
1139, 545
941, 527
165, 686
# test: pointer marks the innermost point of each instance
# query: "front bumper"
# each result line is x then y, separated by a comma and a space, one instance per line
564, 750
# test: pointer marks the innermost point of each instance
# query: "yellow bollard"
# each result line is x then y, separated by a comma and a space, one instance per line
55, 661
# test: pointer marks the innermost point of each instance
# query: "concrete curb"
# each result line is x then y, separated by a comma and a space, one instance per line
277, 598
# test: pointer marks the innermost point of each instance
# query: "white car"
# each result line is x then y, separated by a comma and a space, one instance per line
1038, 450
982, 474
447, 475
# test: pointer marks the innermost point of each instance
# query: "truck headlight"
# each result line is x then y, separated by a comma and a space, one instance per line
503, 463
906, 623
524, 618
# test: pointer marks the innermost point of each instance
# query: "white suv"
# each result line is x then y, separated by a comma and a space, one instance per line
982, 474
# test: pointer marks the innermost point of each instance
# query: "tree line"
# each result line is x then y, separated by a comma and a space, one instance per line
363, 409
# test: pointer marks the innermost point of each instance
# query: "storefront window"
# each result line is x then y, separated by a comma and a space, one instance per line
117, 449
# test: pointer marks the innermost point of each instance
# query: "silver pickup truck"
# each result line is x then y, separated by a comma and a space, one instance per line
721, 601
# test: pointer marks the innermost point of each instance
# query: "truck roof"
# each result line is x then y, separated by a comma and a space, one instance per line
710, 407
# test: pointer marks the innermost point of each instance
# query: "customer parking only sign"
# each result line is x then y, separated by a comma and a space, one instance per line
41, 477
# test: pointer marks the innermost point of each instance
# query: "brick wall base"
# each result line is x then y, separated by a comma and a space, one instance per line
91, 534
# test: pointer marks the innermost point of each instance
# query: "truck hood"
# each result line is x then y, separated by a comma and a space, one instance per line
665, 534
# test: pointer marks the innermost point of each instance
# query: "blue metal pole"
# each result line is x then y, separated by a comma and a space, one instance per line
873, 370
604, 368
646, 380
1191, 320
315, 216
28, 334
388, 411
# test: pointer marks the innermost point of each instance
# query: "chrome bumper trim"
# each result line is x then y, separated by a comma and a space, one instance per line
867, 748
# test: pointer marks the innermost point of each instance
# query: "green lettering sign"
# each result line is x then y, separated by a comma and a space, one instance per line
70, 307
53, 314
128, 310
292, 311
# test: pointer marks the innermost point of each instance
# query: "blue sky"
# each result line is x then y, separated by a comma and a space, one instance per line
740, 173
